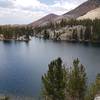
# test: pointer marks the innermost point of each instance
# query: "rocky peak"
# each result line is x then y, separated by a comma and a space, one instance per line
44, 20
83, 8
96, 1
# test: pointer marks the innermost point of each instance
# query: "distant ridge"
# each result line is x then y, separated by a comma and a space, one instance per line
79, 11
43, 21
92, 14
83, 9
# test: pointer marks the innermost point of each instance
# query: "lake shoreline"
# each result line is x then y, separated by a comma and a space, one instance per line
15, 97
73, 41
22, 64
23, 40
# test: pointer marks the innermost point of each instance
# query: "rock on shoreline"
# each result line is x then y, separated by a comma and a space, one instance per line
14, 97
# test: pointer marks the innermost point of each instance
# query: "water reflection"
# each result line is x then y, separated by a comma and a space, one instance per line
23, 63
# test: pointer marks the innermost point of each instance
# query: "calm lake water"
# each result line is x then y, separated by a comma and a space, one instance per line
22, 64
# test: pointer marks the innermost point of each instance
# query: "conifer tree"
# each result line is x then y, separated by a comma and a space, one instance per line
54, 81
77, 81
93, 89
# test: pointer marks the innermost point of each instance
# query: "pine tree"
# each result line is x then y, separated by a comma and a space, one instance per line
87, 34
54, 81
74, 34
81, 34
46, 34
93, 89
77, 81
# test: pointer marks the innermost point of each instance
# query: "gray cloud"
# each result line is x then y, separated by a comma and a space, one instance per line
6, 4
25, 11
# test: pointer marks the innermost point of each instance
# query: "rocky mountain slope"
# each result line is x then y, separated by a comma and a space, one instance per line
84, 10
92, 14
43, 21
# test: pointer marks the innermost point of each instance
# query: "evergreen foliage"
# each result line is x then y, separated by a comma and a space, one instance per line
92, 31
12, 32
54, 81
46, 34
77, 81
60, 83
94, 89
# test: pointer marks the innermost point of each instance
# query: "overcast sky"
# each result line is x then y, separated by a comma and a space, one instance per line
26, 11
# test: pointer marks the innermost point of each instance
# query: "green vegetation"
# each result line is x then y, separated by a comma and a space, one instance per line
14, 32
46, 35
55, 81
77, 81
94, 89
4, 98
90, 32
61, 83
77, 30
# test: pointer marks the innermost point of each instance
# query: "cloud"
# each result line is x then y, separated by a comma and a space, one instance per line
61, 6
20, 11
26, 11
17, 16
30, 4
66, 5
6, 3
